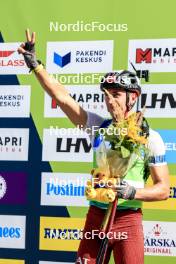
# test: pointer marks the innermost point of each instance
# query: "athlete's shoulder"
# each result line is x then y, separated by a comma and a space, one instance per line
94, 119
155, 139
156, 148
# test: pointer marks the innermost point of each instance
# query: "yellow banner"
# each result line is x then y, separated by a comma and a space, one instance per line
11, 261
60, 233
169, 204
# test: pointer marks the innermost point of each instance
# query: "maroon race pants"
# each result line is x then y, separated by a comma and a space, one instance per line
126, 238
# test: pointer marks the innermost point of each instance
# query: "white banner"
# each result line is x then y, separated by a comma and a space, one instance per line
15, 101
89, 97
12, 231
79, 56
10, 61
155, 55
159, 99
66, 144
14, 143
64, 189
159, 238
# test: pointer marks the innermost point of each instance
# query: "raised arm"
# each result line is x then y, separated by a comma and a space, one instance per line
72, 109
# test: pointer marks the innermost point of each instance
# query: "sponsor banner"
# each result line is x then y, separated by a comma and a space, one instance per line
169, 204
10, 61
79, 56
12, 231
64, 144
15, 101
64, 189
14, 143
169, 138
60, 233
159, 100
11, 261
159, 238
13, 188
155, 55
89, 97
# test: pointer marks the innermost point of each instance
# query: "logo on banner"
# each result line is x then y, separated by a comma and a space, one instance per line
159, 238
150, 55
64, 189
12, 231
10, 61
14, 143
157, 55
3, 187
143, 55
6, 53
60, 233
159, 100
65, 145
13, 187
14, 101
62, 60
89, 97
72, 145
80, 56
